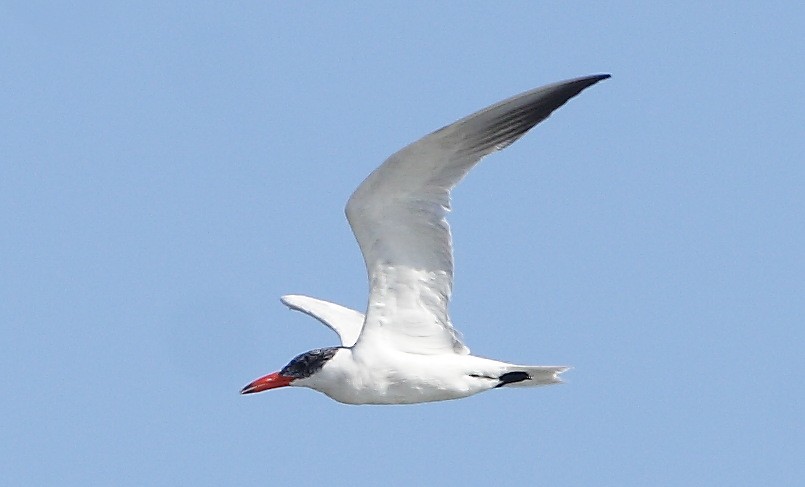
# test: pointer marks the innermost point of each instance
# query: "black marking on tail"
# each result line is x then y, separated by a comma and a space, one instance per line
477, 376
512, 377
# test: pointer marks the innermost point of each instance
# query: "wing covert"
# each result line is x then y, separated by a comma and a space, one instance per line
398, 217
347, 323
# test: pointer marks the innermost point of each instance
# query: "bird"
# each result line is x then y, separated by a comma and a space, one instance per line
405, 349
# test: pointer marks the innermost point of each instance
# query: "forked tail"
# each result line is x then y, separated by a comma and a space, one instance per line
531, 376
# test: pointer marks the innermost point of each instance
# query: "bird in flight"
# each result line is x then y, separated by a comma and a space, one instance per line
405, 350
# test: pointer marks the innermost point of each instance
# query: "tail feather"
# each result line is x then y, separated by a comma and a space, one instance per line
537, 375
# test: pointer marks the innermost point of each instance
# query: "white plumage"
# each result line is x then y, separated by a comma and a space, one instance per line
405, 349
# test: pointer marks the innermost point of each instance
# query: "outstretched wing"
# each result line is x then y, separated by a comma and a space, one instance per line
347, 323
398, 217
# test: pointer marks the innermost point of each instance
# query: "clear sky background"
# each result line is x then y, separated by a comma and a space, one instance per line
169, 169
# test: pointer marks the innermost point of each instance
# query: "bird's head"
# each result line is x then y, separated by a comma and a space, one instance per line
300, 367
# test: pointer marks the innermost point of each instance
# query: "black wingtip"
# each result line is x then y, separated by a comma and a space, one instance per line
560, 92
586, 80
595, 78
570, 88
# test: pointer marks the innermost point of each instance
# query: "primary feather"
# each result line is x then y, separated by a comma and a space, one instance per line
398, 217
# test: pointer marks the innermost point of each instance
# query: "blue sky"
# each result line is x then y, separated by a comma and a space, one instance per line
169, 170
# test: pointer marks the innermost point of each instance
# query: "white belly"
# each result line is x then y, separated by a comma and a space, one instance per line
401, 378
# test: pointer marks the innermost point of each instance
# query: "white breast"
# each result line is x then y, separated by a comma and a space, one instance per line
394, 377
